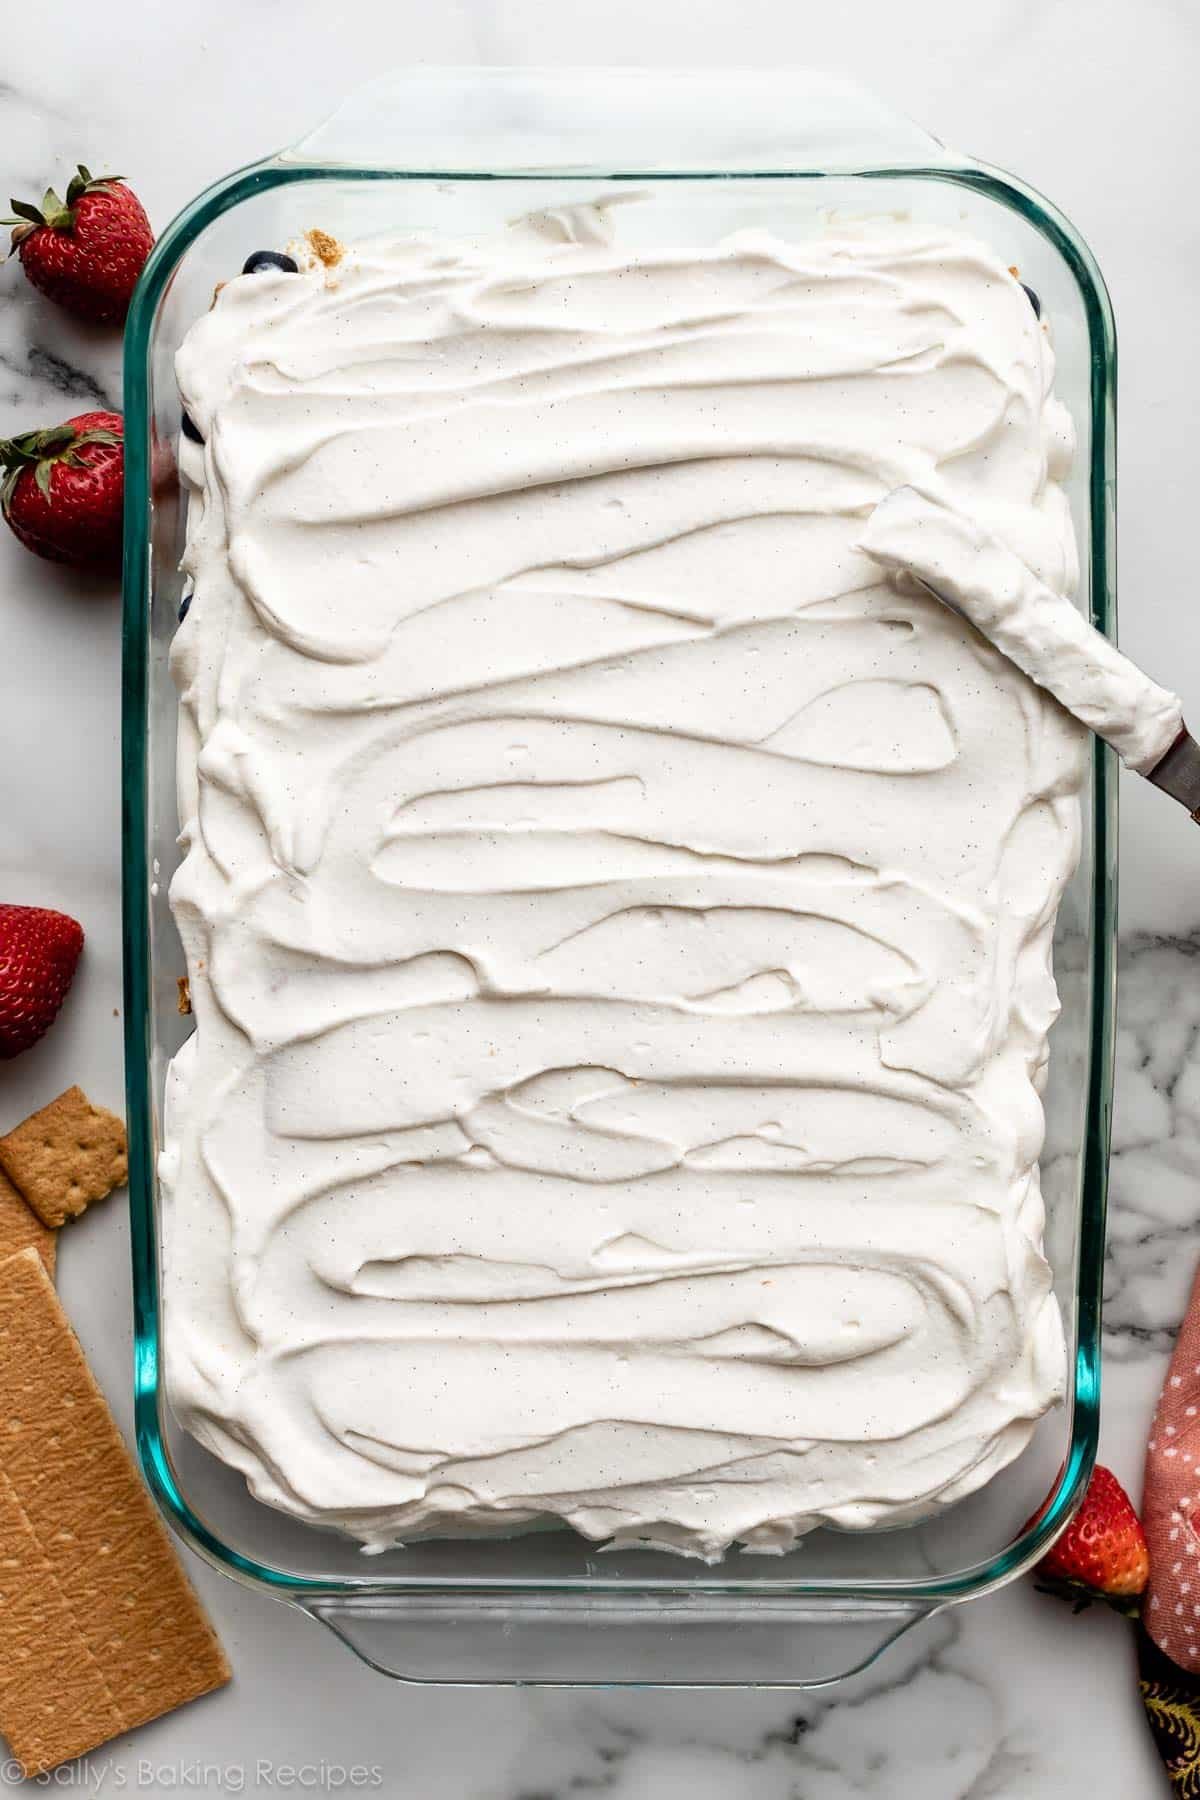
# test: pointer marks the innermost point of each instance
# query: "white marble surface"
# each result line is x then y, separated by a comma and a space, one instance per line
1092, 100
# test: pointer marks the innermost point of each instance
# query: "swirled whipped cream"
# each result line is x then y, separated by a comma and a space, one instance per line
618, 919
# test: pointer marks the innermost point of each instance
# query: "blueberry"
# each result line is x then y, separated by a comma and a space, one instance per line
183, 607
269, 259
1033, 301
191, 429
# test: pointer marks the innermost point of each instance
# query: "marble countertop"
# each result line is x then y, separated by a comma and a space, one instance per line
1091, 100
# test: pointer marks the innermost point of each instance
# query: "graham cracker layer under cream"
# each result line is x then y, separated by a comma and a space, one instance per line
100, 1630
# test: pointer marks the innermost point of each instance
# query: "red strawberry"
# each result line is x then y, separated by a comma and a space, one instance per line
1102, 1555
38, 953
64, 490
88, 253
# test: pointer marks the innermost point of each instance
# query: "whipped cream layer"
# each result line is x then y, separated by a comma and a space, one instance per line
618, 920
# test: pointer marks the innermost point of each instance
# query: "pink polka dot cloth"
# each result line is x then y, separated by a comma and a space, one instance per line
1171, 1501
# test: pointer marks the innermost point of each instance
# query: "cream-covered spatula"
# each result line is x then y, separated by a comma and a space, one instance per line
961, 564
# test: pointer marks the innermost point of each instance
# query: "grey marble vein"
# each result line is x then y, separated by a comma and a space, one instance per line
1154, 1185
39, 373
868, 1736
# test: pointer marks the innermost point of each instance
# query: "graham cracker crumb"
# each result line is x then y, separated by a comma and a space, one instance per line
326, 249
185, 995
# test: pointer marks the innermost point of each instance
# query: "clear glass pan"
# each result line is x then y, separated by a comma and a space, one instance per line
460, 151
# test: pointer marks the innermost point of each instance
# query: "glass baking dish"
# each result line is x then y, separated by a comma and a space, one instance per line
462, 151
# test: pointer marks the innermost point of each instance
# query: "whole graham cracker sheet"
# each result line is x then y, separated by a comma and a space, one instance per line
100, 1630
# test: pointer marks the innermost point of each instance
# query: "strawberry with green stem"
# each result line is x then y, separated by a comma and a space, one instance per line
86, 252
62, 490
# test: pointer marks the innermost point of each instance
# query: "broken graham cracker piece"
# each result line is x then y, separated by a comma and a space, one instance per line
20, 1227
183, 1005
100, 1630
65, 1156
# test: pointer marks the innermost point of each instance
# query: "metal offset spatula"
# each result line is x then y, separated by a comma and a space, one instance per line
962, 565
1178, 772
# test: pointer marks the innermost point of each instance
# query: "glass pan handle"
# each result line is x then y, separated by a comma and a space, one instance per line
525, 1640
616, 121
